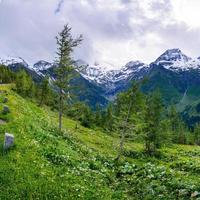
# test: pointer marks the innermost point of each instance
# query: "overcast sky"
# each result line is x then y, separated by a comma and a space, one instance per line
115, 31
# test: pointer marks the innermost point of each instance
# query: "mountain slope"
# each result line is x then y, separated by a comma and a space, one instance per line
178, 79
86, 91
113, 81
174, 73
78, 164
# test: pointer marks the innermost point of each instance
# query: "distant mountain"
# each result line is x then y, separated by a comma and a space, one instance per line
18, 63
175, 60
87, 92
174, 73
42, 66
113, 81
8, 61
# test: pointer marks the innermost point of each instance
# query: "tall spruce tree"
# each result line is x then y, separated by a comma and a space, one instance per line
24, 84
44, 91
178, 127
109, 121
127, 106
197, 134
153, 119
65, 71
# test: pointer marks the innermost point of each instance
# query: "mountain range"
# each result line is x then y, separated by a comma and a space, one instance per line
175, 74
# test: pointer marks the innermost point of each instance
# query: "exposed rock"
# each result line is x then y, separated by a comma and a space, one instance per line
2, 91
5, 100
2, 122
9, 141
6, 110
195, 194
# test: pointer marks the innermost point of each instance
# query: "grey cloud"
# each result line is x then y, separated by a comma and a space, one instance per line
28, 28
60, 3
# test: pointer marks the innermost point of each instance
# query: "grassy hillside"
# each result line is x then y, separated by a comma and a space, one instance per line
79, 163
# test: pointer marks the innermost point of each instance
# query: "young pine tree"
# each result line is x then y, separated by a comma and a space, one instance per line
98, 116
109, 122
6, 75
24, 84
44, 91
152, 123
65, 71
177, 127
197, 134
127, 111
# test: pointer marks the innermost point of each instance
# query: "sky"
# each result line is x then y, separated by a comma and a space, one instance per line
114, 31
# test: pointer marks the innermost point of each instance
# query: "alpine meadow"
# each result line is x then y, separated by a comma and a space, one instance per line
81, 117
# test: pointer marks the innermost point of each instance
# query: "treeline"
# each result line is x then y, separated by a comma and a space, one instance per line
6, 75
141, 117
41, 92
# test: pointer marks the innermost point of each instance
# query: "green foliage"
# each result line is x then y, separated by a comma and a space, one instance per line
153, 128
24, 84
6, 75
65, 70
108, 119
177, 127
79, 163
87, 119
197, 134
44, 92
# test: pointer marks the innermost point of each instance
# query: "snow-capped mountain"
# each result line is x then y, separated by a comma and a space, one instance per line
101, 75
13, 60
105, 75
175, 60
112, 81
42, 65
94, 72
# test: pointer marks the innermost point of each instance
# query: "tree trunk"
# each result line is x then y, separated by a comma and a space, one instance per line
121, 147
41, 100
60, 110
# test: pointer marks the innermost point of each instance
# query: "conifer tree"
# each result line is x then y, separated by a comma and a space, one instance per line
6, 75
44, 91
24, 84
98, 119
152, 127
65, 71
127, 105
109, 118
177, 126
197, 134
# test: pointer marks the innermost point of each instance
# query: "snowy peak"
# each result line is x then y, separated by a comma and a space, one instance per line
132, 69
175, 60
13, 60
42, 65
98, 73
107, 77
171, 56
134, 66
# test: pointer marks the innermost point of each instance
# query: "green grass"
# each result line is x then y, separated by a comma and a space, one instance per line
79, 163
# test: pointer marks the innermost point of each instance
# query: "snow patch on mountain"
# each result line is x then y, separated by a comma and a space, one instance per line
13, 60
175, 60
42, 65
96, 72
103, 74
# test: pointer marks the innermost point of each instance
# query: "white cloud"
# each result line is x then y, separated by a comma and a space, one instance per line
115, 31
187, 11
